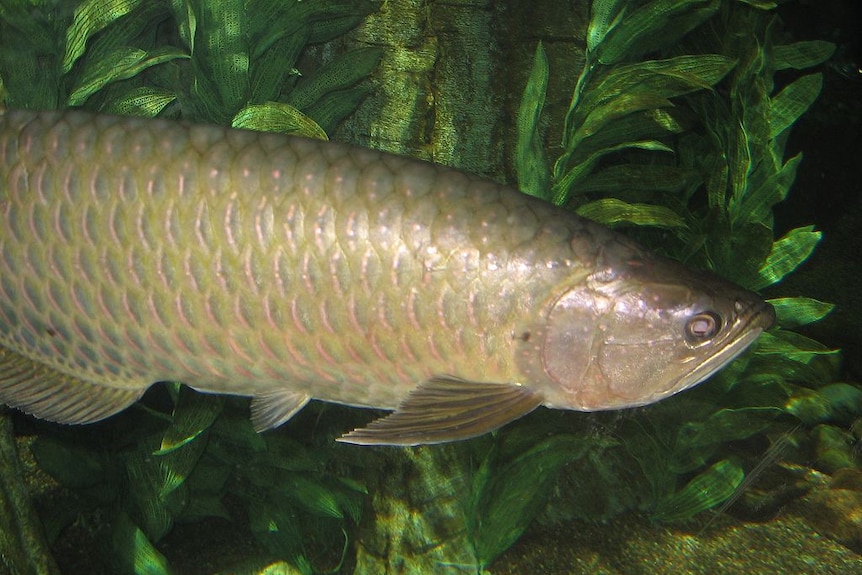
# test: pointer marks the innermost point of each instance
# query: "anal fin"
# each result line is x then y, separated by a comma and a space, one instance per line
49, 394
447, 409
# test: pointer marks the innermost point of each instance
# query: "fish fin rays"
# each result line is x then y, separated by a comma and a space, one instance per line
447, 409
49, 394
271, 409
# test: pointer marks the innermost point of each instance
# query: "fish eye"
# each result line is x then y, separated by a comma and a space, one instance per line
703, 326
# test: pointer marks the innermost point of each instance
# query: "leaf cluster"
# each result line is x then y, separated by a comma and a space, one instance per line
682, 137
513, 475
232, 62
697, 450
690, 142
180, 467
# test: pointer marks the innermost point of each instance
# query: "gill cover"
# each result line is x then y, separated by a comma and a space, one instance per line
632, 340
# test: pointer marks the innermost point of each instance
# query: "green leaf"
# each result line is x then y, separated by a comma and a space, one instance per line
666, 78
792, 346
274, 524
277, 117
703, 492
801, 55
91, 16
120, 65
649, 126
221, 57
342, 73
143, 101
146, 483
272, 71
516, 492
653, 25
74, 467
563, 187
739, 172
129, 30
193, 415
334, 25
637, 177
530, 162
133, 550
186, 21
604, 15
809, 406
351, 498
203, 507
794, 100
30, 74
797, 311
844, 399
834, 448
613, 212
787, 254
233, 439
331, 109
617, 107
311, 494
725, 425
760, 4
756, 205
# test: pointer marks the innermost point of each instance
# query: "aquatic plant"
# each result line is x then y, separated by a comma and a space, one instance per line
636, 153
156, 468
232, 62
688, 150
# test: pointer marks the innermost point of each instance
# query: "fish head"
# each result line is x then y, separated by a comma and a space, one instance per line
643, 329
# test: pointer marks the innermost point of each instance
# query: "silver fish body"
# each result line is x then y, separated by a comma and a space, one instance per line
134, 251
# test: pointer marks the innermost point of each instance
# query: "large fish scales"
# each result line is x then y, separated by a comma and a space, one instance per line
134, 251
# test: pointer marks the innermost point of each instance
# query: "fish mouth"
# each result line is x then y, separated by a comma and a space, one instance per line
750, 323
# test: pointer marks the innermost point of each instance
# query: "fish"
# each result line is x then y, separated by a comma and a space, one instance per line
135, 251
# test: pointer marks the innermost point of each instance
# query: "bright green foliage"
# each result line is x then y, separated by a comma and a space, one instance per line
277, 117
233, 62
622, 108
134, 551
630, 156
797, 311
228, 62
617, 106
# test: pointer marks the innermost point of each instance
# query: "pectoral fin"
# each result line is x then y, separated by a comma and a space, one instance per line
447, 409
46, 393
271, 409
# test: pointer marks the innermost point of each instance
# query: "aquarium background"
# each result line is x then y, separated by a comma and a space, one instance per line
756, 471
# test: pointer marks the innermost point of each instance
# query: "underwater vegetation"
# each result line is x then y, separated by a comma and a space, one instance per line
230, 62
234, 63
202, 460
679, 137
689, 148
